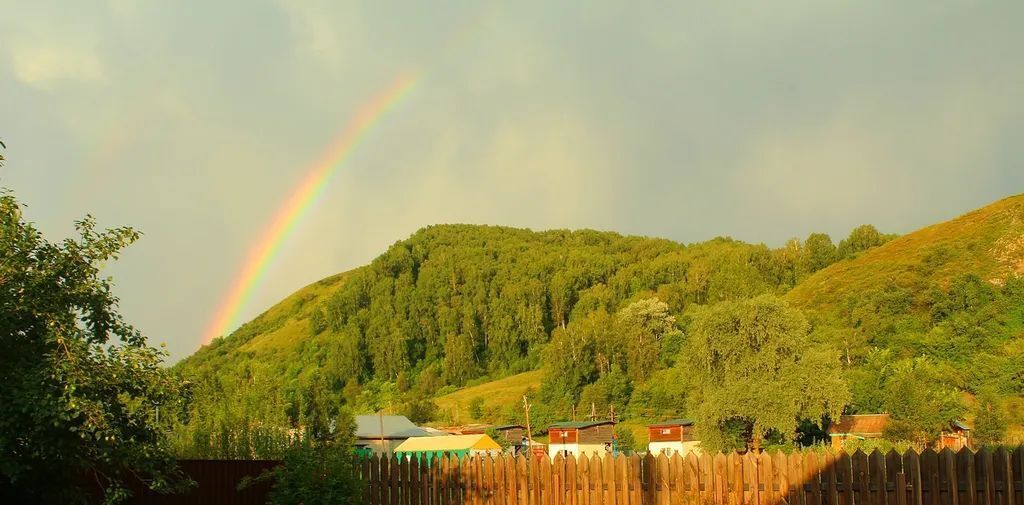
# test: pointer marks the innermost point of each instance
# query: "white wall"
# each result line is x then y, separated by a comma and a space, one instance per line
670, 448
576, 449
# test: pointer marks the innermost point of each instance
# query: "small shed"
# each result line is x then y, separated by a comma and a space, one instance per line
580, 437
428, 448
857, 427
956, 437
671, 437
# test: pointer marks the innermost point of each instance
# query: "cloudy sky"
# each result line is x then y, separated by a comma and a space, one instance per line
193, 120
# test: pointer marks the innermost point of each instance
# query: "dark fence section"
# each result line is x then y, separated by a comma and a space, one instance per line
217, 484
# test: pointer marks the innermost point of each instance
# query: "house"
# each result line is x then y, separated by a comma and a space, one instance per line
857, 427
426, 449
513, 433
672, 437
956, 437
579, 438
377, 434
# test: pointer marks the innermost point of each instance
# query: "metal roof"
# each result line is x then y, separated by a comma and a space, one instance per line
448, 443
369, 426
578, 424
674, 422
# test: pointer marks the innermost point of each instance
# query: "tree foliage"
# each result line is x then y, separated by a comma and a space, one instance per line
751, 363
78, 384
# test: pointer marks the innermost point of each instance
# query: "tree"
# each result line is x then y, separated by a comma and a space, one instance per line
921, 404
476, 408
79, 385
752, 364
861, 239
610, 390
818, 252
624, 440
990, 421
569, 359
643, 324
320, 469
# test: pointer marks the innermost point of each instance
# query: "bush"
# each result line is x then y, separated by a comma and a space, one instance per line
476, 408
318, 470
624, 440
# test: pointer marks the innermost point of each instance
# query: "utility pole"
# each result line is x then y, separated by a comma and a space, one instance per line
380, 417
529, 433
574, 412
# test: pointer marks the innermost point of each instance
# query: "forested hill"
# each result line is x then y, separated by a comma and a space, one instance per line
936, 313
486, 298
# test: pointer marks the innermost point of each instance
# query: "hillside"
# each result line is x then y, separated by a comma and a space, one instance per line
988, 243
493, 395
938, 312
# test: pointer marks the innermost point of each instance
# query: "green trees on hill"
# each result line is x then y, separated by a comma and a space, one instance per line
611, 319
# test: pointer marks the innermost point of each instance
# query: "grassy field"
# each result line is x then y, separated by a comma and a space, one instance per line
499, 393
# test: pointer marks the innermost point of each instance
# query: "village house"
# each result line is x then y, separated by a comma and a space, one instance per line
857, 427
956, 437
579, 438
674, 436
376, 434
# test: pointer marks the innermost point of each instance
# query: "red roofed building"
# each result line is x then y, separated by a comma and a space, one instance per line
857, 427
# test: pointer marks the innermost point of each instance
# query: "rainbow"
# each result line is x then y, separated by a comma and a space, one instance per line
298, 203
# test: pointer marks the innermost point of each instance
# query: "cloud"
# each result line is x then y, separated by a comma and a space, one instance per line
879, 147
44, 65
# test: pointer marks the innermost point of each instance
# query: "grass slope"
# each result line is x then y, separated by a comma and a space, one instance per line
496, 394
278, 330
988, 242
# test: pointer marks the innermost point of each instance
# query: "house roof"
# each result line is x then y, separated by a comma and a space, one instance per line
860, 424
369, 426
960, 425
448, 443
473, 429
673, 422
577, 425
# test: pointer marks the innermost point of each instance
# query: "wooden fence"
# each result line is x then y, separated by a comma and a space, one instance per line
216, 484
929, 478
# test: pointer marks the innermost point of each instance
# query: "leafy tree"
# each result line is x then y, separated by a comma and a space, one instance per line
569, 359
861, 239
320, 469
476, 408
459, 360
611, 389
752, 364
625, 442
79, 386
921, 404
818, 252
990, 421
644, 324
420, 410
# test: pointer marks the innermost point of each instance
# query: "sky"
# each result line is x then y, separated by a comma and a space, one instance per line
192, 121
